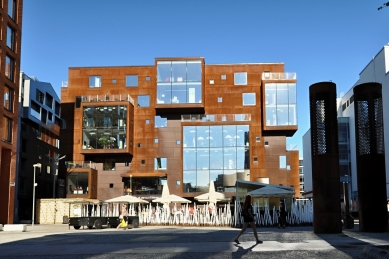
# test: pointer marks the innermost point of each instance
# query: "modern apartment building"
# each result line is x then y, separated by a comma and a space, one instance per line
377, 70
181, 121
39, 128
10, 41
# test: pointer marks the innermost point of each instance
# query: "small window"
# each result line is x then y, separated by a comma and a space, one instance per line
139, 145
248, 99
257, 139
9, 68
178, 142
266, 143
143, 162
219, 99
114, 81
126, 164
255, 159
178, 182
147, 121
160, 122
224, 77
95, 81
224, 118
109, 165
7, 129
211, 82
282, 161
147, 78
11, 38
240, 78
8, 98
111, 185
155, 140
131, 80
160, 163
143, 101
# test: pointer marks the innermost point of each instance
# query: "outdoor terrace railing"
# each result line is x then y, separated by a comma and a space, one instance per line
80, 164
278, 76
108, 98
215, 117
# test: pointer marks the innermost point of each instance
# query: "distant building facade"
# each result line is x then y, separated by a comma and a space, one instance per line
11, 21
40, 121
181, 121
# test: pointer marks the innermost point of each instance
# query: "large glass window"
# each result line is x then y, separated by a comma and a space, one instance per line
9, 68
7, 129
77, 183
104, 127
10, 38
94, 81
160, 122
281, 104
8, 97
143, 101
218, 153
240, 78
145, 185
131, 80
179, 82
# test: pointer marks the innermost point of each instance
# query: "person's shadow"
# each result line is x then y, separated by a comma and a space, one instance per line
242, 251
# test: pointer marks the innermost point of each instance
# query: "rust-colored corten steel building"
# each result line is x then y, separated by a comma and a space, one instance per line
179, 121
11, 24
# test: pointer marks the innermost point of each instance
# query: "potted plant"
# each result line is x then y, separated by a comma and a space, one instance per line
106, 141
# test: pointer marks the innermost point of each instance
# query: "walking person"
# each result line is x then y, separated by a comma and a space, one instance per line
248, 217
282, 218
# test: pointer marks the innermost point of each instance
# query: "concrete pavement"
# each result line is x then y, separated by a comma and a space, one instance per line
57, 241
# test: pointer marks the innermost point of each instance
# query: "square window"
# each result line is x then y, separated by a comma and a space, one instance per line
240, 78
131, 80
160, 163
211, 82
143, 162
155, 140
219, 99
178, 142
111, 185
255, 159
178, 183
266, 143
224, 77
139, 145
126, 164
147, 121
143, 100
109, 165
94, 81
257, 139
248, 99
147, 78
160, 122
114, 81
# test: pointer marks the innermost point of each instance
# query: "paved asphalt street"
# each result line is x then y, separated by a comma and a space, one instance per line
57, 241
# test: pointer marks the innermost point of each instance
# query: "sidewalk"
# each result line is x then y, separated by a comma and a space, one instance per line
48, 241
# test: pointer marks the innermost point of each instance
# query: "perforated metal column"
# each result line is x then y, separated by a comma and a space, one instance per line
325, 158
369, 133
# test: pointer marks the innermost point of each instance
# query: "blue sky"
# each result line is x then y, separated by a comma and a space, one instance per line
319, 40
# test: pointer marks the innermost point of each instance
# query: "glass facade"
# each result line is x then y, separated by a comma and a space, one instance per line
281, 104
77, 183
104, 127
179, 82
218, 153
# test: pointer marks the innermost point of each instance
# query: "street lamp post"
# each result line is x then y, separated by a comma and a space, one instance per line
131, 184
55, 160
33, 193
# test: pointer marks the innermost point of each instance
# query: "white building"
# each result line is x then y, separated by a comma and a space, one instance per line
377, 70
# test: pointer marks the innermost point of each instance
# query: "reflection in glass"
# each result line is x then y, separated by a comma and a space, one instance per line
77, 183
280, 104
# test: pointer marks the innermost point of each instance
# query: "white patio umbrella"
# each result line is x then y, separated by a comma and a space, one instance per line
126, 199
168, 198
212, 196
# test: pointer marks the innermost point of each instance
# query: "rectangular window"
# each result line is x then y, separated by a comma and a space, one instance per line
9, 68
40, 97
95, 81
143, 162
255, 159
143, 101
248, 99
211, 81
7, 131
240, 78
109, 165
12, 9
114, 81
257, 139
160, 122
10, 38
131, 80
219, 99
282, 161
49, 101
147, 121
155, 140
8, 98
160, 163
224, 77
147, 78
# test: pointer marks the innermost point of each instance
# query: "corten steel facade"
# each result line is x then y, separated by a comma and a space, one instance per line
371, 177
325, 158
179, 121
11, 27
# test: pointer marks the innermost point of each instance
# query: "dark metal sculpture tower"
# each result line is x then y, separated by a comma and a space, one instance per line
369, 131
325, 158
